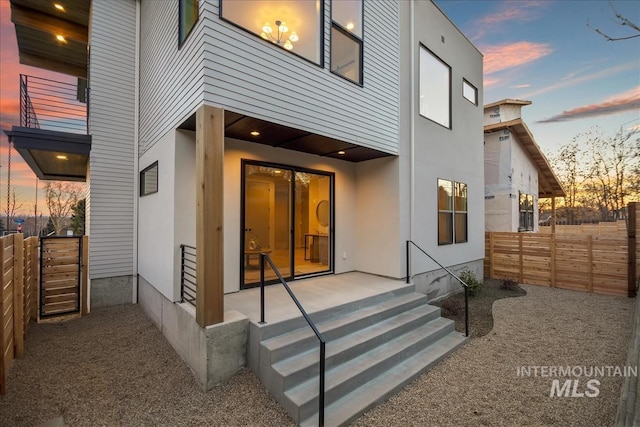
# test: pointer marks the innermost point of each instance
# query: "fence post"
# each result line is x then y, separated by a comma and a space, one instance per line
520, 237
631, 250
491, 270
553, 260
590, 262
85, 276
18, 295
35, 278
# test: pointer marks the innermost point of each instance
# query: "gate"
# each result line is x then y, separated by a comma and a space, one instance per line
60, 274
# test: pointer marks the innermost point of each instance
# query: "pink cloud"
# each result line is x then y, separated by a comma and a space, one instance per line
490, 81
502, 57
510, 12
623, 102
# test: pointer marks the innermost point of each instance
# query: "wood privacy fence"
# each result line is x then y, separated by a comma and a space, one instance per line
20, 292
605, 263
617, 228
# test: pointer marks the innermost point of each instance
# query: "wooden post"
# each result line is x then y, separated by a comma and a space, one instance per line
3, 354
35, 279
553, 260
491, 269
18, 295
553, 215
631, 250
590, 262
84, 301
520, 237
209, 218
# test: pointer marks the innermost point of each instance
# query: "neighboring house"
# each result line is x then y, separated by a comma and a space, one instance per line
516, 172
328, 150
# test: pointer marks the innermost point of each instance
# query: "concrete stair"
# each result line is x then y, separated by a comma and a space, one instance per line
375, 347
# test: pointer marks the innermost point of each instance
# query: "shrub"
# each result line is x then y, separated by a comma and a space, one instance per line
509, 284
469, 277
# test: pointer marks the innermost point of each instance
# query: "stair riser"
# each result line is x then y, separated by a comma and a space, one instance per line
310, 341
352, 352
270, 330
310, 407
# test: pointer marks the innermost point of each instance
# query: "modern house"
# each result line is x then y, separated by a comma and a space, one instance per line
322, 134
516, 172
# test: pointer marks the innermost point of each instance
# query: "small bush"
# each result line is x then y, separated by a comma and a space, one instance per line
509, 284
451, 307
469, 277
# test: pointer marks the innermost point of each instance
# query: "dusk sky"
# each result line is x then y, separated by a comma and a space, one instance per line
541, 51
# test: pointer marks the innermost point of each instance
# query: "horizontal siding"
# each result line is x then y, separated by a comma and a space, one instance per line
231, 68
112, 126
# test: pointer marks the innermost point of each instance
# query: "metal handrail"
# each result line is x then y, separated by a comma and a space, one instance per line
188, 274
265, 257
466, 287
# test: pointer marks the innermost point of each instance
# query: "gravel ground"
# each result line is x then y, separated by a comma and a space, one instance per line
114, 367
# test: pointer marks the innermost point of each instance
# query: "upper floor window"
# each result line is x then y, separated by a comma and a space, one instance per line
435, 88
149, 180
346, 39
295, 26
470, 92
188, 15
452, 212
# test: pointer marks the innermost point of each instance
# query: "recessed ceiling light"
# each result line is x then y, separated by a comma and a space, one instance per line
255, 133
277, 171
61, 157
59, 7
350, 26
61, 38
341, 152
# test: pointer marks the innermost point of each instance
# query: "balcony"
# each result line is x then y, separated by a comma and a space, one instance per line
52, 136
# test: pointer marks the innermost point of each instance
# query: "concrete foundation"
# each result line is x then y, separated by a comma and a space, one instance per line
111, 291
214, 353
438, 284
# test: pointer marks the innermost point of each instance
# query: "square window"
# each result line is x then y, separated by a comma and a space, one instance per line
470, 92
188, 16
149, 180
346, 55
435, 88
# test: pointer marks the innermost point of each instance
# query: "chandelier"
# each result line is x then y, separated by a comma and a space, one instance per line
280, 38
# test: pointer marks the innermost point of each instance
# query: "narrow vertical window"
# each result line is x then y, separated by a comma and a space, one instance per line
460, 209
435, 88
445, 212
470, 92
526, 212
149, 180
188, 15
346, 39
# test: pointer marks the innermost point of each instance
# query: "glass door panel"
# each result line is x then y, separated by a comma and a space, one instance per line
267, 221
313, 223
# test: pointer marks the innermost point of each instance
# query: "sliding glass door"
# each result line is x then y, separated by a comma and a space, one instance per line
287, 214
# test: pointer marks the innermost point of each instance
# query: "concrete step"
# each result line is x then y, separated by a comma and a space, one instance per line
349, 407
304, 339
349, 376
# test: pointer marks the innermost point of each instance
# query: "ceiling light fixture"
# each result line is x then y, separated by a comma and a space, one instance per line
59, 7
61, 38
255, 133
281, 38
341, 152
350, 26
62, 157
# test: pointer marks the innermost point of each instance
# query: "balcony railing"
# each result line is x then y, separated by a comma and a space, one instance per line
52, 105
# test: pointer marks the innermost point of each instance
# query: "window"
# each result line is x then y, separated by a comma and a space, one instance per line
452, 212
435, 88
295, 26
470, 92
149, 180
188, 15
346, 39
526, 212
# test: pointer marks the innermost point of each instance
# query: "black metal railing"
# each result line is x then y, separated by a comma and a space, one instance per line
52, 105
466, 287
266, 258
188, 274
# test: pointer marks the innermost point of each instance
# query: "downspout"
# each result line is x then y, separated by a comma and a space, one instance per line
136, 184
412, 124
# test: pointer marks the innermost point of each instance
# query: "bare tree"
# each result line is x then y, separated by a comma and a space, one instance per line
61, 198
621, 20
567, 165
13, 207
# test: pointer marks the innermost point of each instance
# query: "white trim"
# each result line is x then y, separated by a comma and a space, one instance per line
136, 158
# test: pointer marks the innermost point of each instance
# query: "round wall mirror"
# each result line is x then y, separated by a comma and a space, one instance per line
322, 213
